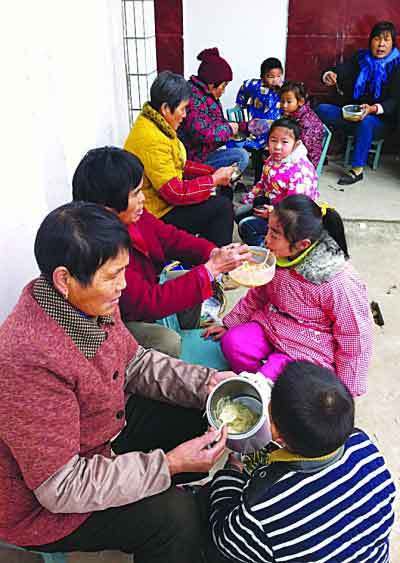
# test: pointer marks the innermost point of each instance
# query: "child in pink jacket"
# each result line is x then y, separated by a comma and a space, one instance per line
295, 105
315, 308
287, 171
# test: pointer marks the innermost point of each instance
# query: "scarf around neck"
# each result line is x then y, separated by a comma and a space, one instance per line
374, 72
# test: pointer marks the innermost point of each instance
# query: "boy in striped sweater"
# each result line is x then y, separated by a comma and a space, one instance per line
325, 497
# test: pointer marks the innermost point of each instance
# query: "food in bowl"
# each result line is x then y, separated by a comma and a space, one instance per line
352, 112
257, 271
238, 417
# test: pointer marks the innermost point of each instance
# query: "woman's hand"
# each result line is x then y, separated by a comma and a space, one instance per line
263, 211
367, 110
222, 176
235, 127
330, 78
227, 258
218, 377
198, 455
216, 332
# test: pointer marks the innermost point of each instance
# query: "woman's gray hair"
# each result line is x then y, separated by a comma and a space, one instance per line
169, 88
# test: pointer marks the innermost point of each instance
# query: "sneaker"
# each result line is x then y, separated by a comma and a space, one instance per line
350, 178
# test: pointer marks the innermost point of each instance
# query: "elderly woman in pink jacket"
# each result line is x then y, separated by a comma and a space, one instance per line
315, 308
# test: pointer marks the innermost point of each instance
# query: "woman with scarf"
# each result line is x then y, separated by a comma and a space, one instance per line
371, 78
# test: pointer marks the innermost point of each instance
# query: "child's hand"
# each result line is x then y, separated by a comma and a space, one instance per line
263, 211
234, 127
216, 332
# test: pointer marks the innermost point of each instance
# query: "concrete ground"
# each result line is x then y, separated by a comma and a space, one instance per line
373, 207
372, 212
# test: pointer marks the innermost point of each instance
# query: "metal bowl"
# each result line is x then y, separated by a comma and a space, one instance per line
253, 391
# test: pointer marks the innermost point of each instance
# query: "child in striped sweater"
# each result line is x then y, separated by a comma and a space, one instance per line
325, 496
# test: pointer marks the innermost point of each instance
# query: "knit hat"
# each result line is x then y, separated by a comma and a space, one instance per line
213, 68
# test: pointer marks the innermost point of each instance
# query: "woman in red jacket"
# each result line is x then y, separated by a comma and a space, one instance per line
114, 177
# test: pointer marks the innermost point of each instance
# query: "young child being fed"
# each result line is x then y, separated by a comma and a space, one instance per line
315, 308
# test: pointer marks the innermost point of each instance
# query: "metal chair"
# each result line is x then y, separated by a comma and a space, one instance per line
325, 145
375, 150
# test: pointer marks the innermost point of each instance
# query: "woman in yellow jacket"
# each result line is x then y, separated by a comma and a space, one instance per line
178, 191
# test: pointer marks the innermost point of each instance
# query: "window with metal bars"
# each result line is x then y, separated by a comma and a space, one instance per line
140, 52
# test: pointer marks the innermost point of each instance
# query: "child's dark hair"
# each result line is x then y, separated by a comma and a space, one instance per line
270, 64
382, 27
298, 89
312, 410
287, 123
301, 218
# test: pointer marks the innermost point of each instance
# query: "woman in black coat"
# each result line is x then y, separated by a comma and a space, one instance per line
371, 78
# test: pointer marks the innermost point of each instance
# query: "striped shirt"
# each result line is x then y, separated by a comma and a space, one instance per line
342, 513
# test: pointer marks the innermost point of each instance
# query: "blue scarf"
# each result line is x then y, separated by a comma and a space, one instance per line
374, 72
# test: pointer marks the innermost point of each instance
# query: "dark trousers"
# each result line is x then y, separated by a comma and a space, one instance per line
164, 528
258, 157
211, 219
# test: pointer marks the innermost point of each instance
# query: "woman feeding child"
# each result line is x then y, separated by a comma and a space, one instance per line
315, 308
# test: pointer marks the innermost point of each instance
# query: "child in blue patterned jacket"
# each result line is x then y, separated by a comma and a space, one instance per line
261, 96
325, 496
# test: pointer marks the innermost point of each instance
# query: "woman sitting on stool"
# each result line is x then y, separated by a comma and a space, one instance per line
371, 79
114, 178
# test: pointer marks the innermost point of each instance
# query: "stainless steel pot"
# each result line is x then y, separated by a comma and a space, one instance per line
254, 391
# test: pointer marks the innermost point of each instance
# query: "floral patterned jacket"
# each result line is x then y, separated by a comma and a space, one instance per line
205, 128
293, 175
312, 131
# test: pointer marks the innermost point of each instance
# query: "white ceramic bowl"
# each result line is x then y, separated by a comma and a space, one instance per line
259, 274
352, 112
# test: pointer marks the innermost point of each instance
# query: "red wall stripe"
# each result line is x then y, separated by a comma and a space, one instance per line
169, 35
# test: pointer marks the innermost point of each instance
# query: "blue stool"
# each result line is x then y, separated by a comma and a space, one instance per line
47, 557
195, 349
325, 145
375, 150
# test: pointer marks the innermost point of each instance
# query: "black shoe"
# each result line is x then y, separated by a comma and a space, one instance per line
350, 178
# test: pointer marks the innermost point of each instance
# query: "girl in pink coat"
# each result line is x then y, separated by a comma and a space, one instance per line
315, 308
287, 171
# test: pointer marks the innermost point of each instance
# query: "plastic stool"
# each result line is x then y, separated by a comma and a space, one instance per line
376, 149
47, 557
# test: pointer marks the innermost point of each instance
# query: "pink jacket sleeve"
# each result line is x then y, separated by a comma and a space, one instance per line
242, 312
346, 302
312, 134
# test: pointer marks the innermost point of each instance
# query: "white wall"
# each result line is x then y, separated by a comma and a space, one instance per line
63, 92
245, 32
